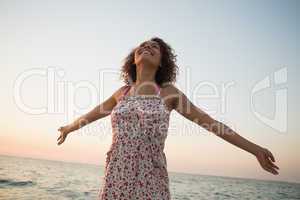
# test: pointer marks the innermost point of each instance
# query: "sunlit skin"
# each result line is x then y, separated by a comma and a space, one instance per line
147, 59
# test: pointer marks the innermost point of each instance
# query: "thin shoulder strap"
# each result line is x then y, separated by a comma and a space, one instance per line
157, 89
126, 91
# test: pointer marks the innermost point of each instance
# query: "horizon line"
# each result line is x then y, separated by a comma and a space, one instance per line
178, 172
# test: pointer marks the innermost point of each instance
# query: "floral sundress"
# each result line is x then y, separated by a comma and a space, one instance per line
136, 165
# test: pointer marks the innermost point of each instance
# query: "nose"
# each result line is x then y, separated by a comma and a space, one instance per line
146, 46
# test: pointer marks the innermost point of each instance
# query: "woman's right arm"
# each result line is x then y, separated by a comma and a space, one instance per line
98, 112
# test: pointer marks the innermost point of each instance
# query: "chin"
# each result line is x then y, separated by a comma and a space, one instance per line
146, 60
148, 63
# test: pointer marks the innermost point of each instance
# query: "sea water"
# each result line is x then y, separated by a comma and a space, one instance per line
27, 178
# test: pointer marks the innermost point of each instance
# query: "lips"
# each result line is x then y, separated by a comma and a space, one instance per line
146, 51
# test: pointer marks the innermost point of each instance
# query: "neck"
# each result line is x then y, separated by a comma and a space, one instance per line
145, 74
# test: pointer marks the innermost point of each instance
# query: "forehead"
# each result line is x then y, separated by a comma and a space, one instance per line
149, 42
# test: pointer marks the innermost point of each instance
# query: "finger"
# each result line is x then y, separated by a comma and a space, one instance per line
64, 137
266, 165
60, 142
275, 166
270, 161
271, 156
263, 160
58, 137
272, 164
270, 167
271, 170
267, 169
274, 171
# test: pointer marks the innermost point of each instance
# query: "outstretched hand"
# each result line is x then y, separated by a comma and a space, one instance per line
266, 160
63, 134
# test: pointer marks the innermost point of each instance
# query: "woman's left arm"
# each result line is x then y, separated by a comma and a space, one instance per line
187, 109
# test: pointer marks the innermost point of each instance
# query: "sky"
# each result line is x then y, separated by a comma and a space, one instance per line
238, 61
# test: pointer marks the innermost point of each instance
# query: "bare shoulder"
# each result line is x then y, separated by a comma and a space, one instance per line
170, 88
170, 94
119, 92
175, 97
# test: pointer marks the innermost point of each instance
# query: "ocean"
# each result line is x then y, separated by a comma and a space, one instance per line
27, 178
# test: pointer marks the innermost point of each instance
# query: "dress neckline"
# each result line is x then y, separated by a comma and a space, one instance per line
144, 96
154, 96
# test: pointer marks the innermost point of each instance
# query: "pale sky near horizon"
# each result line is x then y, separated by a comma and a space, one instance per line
233, 46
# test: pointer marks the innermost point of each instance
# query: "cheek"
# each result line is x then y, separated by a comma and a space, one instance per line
135, 56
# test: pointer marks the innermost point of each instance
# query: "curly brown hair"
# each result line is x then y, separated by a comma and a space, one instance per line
165, 74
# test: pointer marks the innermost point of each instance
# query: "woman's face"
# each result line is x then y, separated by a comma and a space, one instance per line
148, 52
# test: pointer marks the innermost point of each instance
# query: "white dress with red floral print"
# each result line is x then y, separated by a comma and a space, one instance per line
136, 165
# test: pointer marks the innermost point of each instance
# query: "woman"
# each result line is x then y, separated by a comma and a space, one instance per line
136, 166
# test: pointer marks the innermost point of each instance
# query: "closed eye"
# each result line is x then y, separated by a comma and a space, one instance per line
155, 46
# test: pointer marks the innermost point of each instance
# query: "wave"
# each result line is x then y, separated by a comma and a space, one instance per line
15, 183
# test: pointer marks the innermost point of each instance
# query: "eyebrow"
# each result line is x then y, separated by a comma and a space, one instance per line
150, 42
